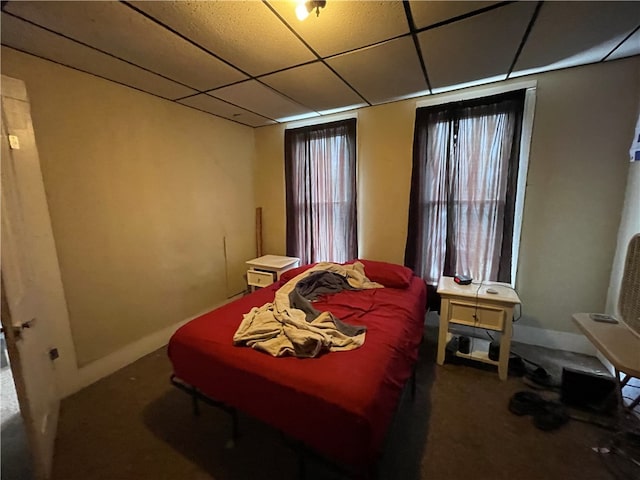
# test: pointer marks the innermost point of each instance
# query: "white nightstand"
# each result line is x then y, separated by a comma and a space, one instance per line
472, 306
265, 270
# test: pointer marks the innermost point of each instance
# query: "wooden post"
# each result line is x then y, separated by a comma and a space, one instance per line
259, 232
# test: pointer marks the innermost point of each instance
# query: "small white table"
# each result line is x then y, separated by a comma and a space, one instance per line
265, 270
473, 306
618, 343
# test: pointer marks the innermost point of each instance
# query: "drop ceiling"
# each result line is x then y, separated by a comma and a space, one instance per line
255, 63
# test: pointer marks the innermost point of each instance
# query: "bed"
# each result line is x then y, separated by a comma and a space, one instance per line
339, 404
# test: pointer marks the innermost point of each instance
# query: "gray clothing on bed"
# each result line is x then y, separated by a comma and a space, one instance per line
279, 328
315, 285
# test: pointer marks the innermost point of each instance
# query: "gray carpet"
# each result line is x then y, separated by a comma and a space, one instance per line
135, 425
15, 460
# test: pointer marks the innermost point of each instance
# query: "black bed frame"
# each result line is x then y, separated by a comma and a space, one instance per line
302, 450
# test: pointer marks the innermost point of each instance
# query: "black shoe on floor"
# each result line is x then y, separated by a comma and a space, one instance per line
526, 403
540, 379
552, 416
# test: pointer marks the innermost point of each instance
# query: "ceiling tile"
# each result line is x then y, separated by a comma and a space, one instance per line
223, 109
476, 48
630, 47
246, 34
260, 99
429, 13
589, 31
366, 43
382, 73
344, 26
314, 85
28, 38
117, 29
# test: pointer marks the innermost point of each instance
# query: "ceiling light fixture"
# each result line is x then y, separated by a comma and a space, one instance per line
304, 8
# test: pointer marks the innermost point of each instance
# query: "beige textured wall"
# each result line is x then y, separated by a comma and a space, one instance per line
629, 226
142, 194
385, 145
577, 177
584, 119
269, 188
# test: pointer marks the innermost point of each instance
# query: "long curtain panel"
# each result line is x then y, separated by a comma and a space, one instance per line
463, 188
320, 177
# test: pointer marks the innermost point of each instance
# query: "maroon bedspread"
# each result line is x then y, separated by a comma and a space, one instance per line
341, 403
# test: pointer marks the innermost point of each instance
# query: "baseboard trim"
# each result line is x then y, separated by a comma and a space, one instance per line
607, 364
570, 342
113, 362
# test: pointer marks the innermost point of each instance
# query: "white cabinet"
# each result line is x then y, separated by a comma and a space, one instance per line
265, 270
473, 306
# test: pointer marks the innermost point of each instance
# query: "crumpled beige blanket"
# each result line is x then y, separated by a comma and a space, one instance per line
279, 329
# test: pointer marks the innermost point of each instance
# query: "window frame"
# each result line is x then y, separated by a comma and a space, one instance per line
327, 120
528, 114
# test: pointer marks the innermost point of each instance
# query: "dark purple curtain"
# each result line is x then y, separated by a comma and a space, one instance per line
320, 177
463, 188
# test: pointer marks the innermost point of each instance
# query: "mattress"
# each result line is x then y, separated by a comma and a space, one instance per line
340, 404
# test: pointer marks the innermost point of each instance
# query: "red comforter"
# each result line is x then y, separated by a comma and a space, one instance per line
341, 403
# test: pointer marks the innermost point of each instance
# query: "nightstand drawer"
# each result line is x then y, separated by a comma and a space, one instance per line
483, 316
256, 278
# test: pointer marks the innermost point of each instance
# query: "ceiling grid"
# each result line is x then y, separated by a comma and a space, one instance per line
197, 45
256, 64
525, 36
416, 42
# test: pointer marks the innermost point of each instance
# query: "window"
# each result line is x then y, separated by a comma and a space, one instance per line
463, 188
320, 177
